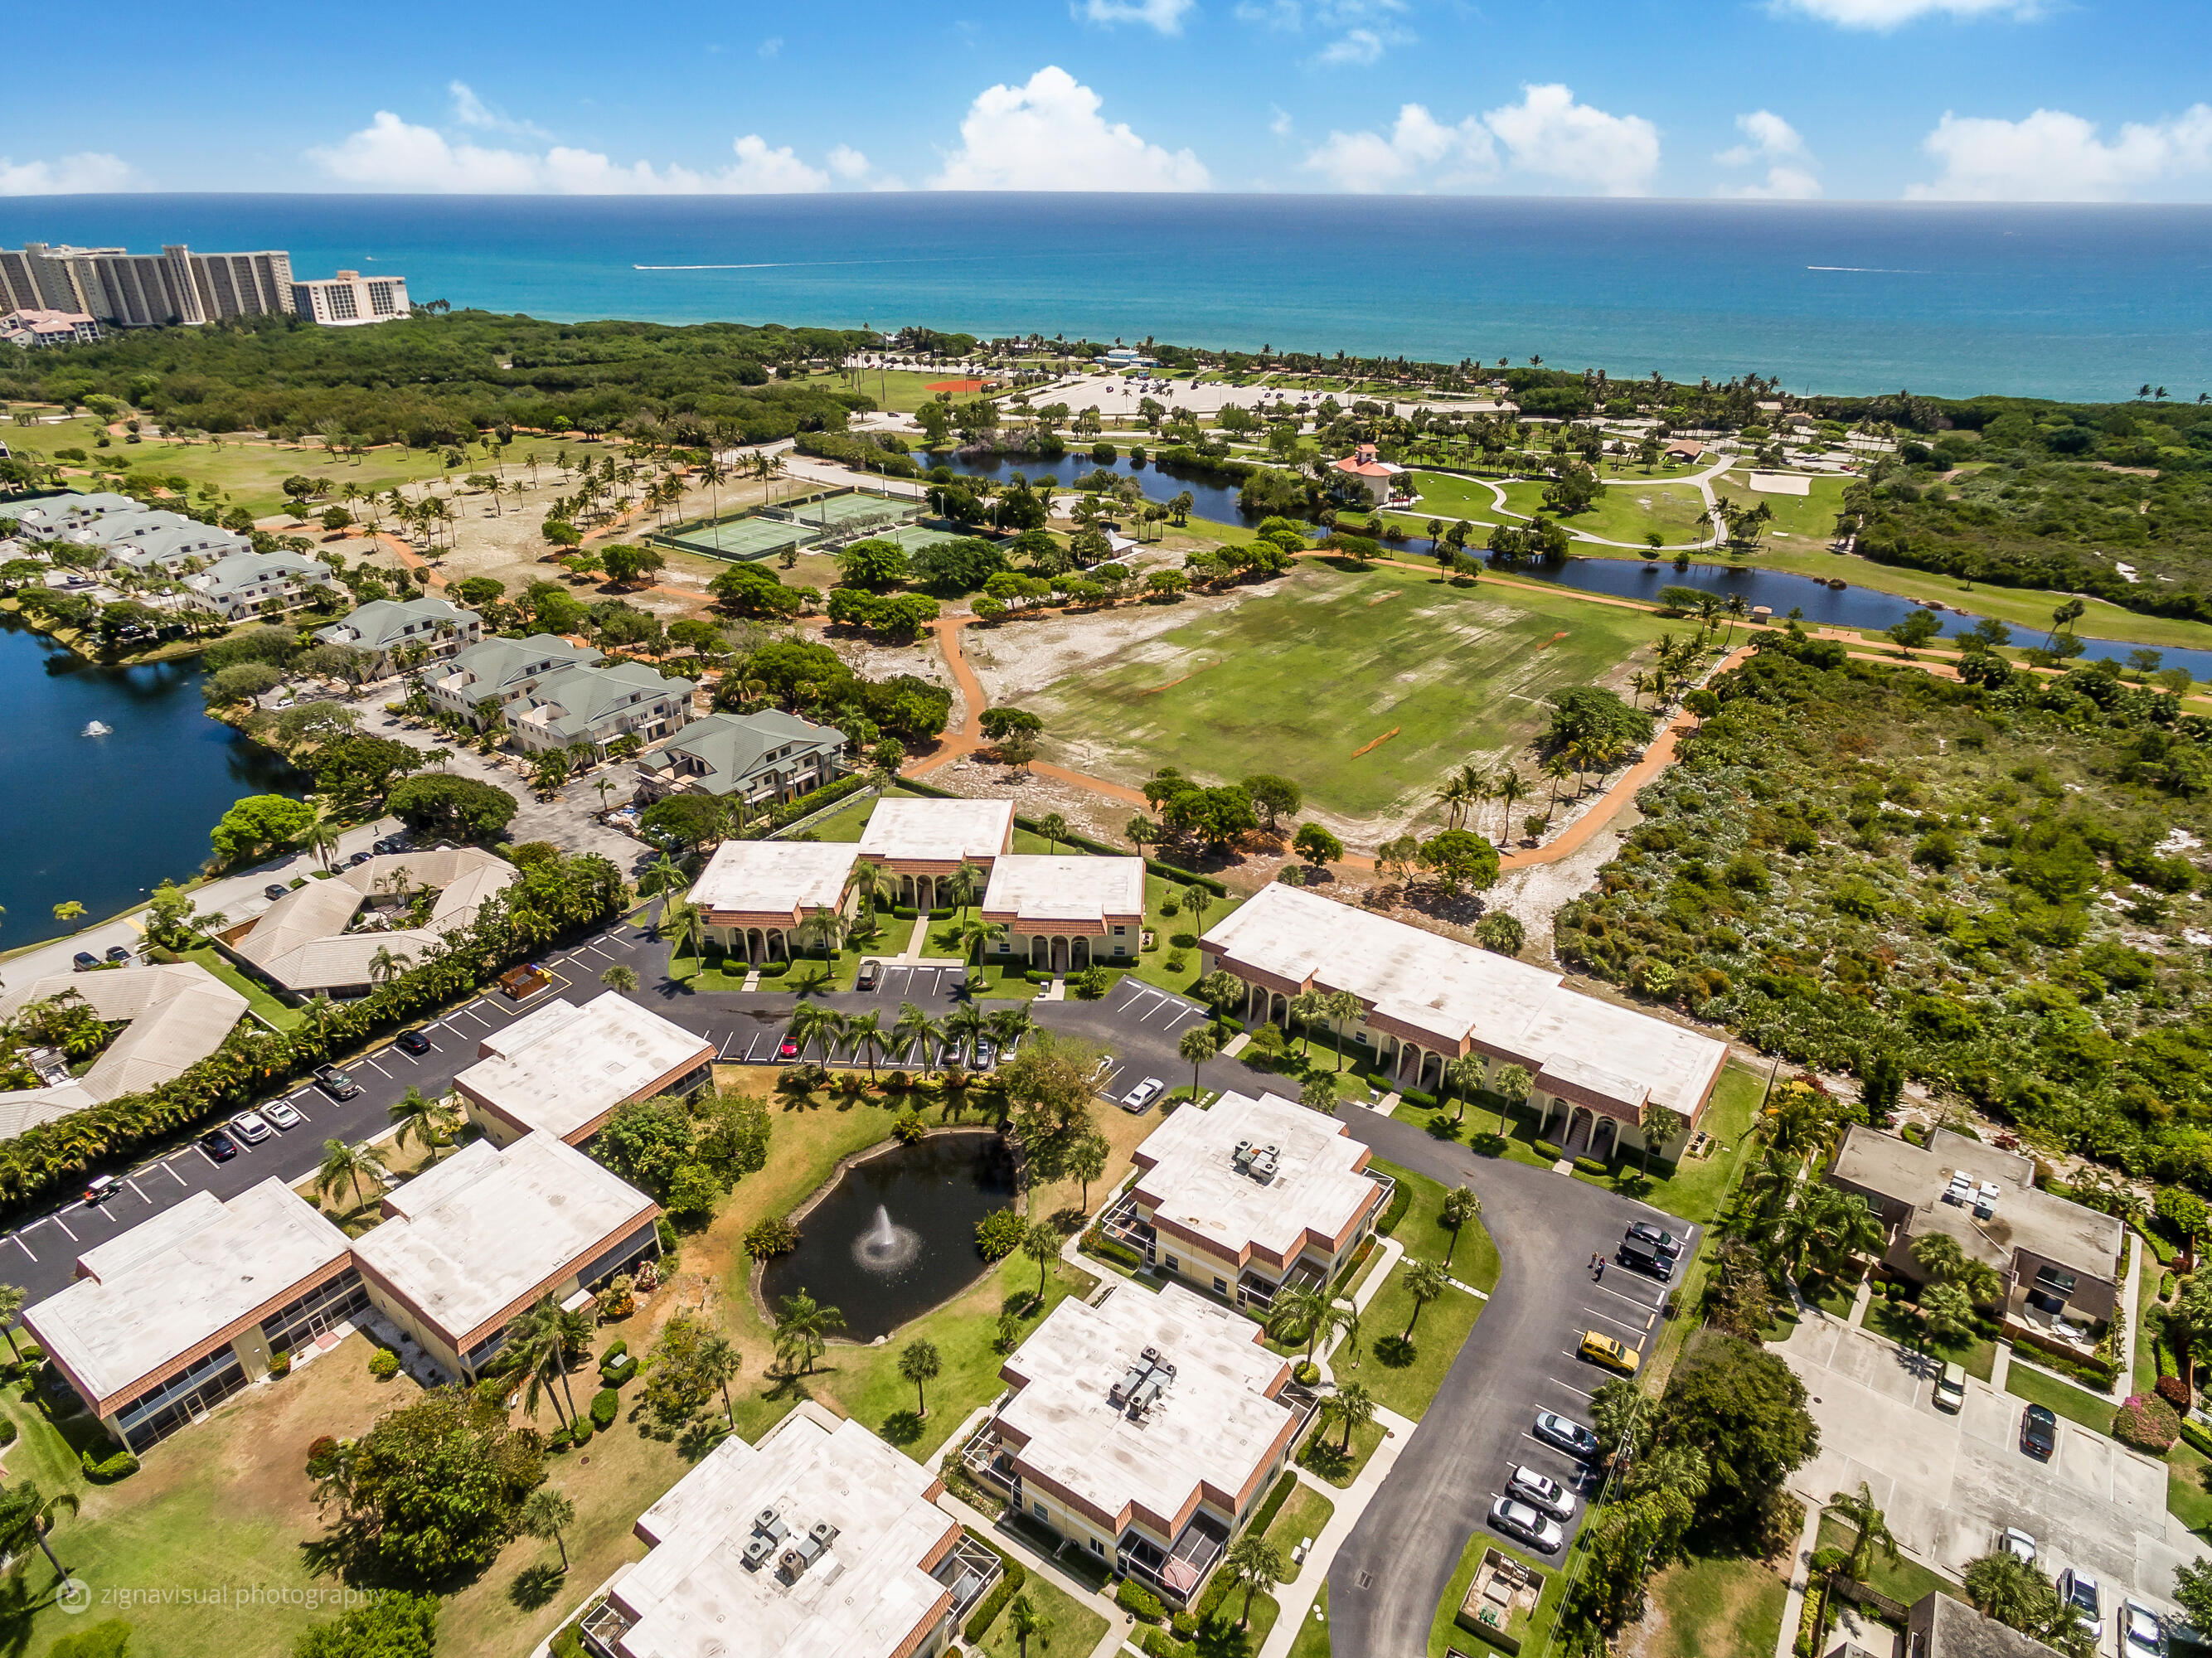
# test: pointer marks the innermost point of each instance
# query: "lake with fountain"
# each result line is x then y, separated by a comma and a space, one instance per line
895, 1235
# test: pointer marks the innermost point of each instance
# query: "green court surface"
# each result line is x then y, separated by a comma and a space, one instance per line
1365, 688
915, 537
741, 537
842, 514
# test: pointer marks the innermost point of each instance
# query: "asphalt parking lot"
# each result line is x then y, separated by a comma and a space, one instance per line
1950, 1484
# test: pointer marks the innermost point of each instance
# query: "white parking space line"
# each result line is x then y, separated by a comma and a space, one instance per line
173, 1174
1569, 1386
142, 1198
1617, 1324
596, 951
377, 1068
18, 1242
1634, 1301
59, 1222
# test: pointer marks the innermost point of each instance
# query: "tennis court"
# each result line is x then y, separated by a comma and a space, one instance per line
913, 537
847, 514
742, 537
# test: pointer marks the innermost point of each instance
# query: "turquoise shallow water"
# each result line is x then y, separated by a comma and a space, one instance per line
2085, 302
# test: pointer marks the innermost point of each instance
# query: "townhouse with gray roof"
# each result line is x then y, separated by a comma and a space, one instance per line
759, 758
385, 630
241, 583
167, 548
54, 516
596, 704
483, 680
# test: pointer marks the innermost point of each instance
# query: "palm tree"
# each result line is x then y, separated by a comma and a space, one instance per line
1353, 1407
1042, 1245
546, 1514
1463, 1075
803, 1327
963, 1024
1344, 1007
1872, 1527
426, 1122
809, 1021
2004, 1587
619, 977
538, 1340
1197, 1045
1054, 828
1425, 1282
1307, 1006
1257, 1564
824, 929
912, 1026
1010, 1024
384, 967
1511, 791
12, 1297
865, 1033
1461, 1205
342, 1163
1025, 1621
919, 1364
876, 885
26, 1516
718, 1363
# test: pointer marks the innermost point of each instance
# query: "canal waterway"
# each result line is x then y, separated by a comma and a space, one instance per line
1854, 606
102, 820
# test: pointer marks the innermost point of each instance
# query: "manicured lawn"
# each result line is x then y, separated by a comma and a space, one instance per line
2187, 1498
1318, 1456
1075, 1628
2069, 1402
259, 996
1809, 517
1301, 1517
1444, 1631
1626, 511
1901, 1324
1364, 686
1906, 1580
1404, 1371
2148, 1272
1717, 1607
1836, 1297
1422, 1232
1152, 965
1313, 1633
1697, 1188
1446, 496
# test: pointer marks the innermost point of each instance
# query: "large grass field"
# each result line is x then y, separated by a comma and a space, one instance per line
1716, 1607
1366, 689
1628, 512
1810, 517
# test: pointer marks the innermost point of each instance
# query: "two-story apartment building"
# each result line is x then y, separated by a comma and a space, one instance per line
761, 759
169, 548
239, 584
1062, 913
480, 682
596, 704
921, 841
1143, 1430
756, 894
1249, 1195
392, 632
1426, 1000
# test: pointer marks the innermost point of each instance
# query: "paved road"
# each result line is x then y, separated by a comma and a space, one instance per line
1386, 1579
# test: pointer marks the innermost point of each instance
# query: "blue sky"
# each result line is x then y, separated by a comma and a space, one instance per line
2008, 99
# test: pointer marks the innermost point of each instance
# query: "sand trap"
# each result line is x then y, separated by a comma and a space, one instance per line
1377, 744
1781, 483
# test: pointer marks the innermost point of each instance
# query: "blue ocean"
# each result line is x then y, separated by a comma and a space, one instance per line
2076, 302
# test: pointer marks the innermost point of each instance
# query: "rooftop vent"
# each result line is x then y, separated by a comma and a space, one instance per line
793, 1565
1152, 1355
757, 1550
823, 1532
768, 1523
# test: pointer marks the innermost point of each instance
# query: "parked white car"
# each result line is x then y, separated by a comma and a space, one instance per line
2142, 1631
2079, 1590
252, 1127
1143, 1094
1540, 1491
1519, 1519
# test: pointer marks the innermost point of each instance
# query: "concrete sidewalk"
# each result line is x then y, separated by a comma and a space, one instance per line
1297, 1601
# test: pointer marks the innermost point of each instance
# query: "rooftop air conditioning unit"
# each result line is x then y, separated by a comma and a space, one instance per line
757, 1550
823, 1532
1152, 1355
793, 1564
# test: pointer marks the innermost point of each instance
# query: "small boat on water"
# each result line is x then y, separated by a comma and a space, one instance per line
95, 728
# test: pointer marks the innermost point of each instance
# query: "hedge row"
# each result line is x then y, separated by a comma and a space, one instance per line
1008, 1586
1401, 1198
1113, 1249
1265, 1515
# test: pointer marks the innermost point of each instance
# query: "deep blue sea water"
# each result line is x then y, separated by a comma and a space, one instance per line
2084, 302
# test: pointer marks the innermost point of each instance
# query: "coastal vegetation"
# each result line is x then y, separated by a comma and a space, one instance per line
1992, 885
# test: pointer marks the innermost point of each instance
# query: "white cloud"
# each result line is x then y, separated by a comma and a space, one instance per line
472, 111
1549, 134
1048, 135
1417, 143
88, 173
1891, 13
1358, 47
848, 163
769, 48
2054, 156
1774, 141
1165, 15
1279, 121
392, 155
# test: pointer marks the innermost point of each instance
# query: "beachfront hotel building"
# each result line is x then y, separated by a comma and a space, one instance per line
351, 300
1248, 1196
1426, 1000
1143, 1430
756, 894
922, 840
489, 1231
167, 1320
146, 290
561, 1070
821, 1542
1062, 913
390, 632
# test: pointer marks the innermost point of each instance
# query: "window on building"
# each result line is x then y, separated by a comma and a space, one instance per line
1040, 1508
1097, 1547
1221, 1286
1174, 1265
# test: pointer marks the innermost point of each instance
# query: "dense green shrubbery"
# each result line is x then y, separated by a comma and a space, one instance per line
2037, 961
1000, 1233
1133, 1597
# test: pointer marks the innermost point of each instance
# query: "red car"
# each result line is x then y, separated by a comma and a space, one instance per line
788, 1051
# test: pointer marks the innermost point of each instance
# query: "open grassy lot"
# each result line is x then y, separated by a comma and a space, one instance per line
1811, 516
1403, 1358
1628, 512
1445, 495
1900, 1322
1422, 1232
899, 390
1716, 1606
2074, 1404
1075, 1628
1364, 688
1321, 1457
2188, 1495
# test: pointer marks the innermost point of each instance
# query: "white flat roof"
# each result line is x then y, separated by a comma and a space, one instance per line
149, 1296
1026, 887
484, 1229
1454, 993
1191, 1179
561, 1067
865, 1597
904, 829
1214, 1426
776, 877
